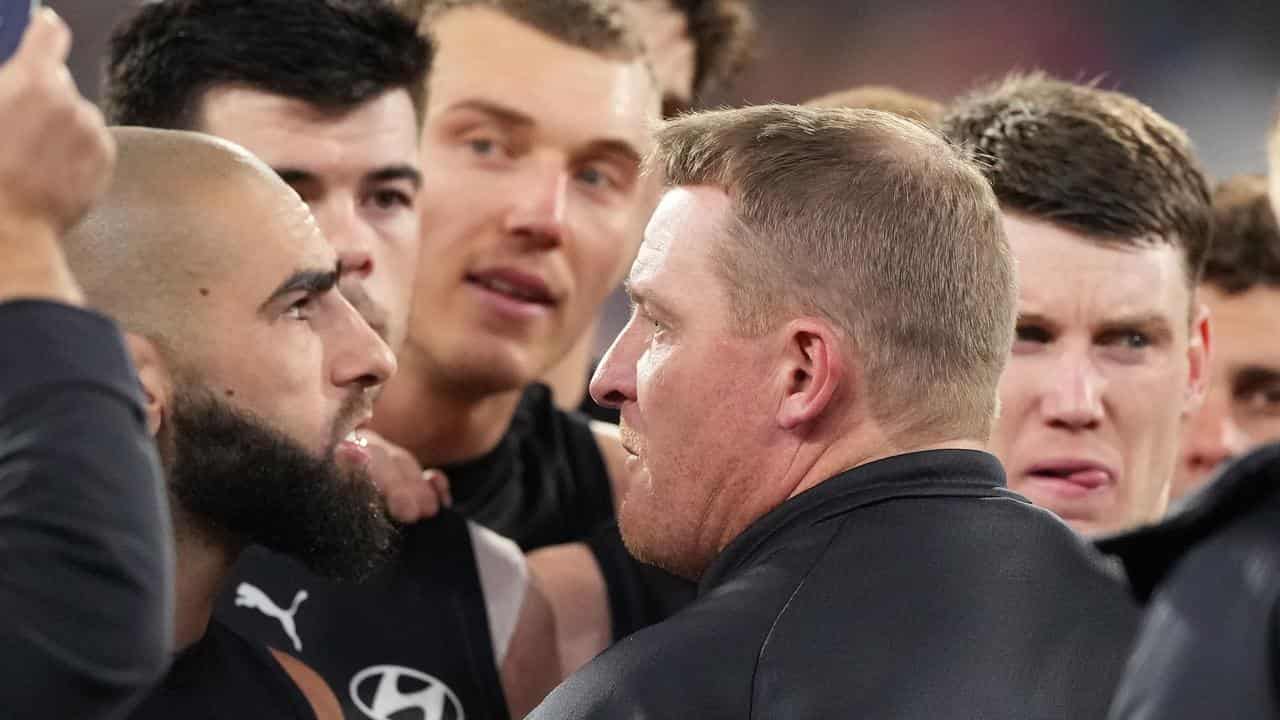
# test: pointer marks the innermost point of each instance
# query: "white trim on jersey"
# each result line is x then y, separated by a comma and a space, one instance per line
504, 580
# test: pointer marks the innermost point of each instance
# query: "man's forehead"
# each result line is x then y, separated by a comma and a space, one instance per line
557, 86
700, 210
290, 241
292, 133
1063, 272
311, 245
687, 221
644, 268
1249, 318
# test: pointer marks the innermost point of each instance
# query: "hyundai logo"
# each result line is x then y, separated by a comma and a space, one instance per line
391, 692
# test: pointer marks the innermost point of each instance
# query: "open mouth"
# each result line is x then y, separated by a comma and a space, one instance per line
353, 451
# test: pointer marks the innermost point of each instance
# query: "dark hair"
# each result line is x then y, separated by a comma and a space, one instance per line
1246, 239
593, 25
724, 35
332, 54
1097, 162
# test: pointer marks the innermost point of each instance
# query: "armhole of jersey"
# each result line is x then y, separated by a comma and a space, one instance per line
504, 580
315, 692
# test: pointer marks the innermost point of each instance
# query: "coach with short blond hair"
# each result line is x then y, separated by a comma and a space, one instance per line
824, 304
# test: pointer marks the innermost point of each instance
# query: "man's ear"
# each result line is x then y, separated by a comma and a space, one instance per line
153, 376
813, 368
1198, 355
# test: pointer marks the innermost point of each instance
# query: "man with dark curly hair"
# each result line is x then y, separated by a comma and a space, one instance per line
1241, 287
696, 45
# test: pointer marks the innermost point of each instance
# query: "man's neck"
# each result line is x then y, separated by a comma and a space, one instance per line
202, 564
437, 423
864, 448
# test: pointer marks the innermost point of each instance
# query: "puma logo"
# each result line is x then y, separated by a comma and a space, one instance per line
251, 597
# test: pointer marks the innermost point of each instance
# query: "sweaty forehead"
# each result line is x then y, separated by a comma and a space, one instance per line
1076, 280
569, 92
679, 240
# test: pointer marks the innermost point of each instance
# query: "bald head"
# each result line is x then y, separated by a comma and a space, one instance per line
183, 211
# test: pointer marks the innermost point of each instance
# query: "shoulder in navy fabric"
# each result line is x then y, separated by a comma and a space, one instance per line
1208, 646
225, 677
83, 502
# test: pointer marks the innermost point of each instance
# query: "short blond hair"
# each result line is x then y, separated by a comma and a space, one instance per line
885, 98
876, 223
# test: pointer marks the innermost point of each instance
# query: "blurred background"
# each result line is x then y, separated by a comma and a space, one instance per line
1212, 67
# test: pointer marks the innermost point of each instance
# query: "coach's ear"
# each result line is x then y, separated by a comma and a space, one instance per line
153, 376
811, 370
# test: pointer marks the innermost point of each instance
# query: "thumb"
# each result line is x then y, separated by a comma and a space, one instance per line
47, 40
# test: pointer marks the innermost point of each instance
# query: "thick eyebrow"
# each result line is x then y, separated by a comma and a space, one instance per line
1032, 318
501, 113
312, 282
622, 148
1254, 377
295, 176
515, 118
1151, 322
397, 172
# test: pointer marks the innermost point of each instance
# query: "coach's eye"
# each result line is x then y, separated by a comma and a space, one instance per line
1127, 339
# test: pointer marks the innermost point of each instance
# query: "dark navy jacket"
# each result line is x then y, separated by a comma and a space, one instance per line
1209, 574
912, 587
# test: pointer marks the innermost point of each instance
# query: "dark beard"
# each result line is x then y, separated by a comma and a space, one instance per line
245, 481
